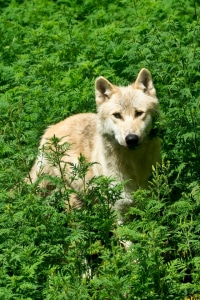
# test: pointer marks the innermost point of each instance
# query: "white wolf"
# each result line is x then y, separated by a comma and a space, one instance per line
118, 137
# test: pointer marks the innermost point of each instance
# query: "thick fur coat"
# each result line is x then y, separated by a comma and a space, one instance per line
118, 137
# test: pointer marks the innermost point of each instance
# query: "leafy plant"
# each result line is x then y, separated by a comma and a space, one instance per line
51, 52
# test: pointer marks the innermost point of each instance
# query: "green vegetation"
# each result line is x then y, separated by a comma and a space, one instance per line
51, 52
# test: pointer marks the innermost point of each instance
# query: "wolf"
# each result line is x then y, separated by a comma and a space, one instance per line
118, 138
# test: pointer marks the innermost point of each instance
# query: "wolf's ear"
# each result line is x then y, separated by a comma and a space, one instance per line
103, 89
144, 82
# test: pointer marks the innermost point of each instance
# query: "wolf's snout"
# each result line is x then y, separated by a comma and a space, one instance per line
132, 140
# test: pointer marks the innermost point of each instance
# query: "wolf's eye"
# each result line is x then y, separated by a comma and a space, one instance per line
138, 113
117, 115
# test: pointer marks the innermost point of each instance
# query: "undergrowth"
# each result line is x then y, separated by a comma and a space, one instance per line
51, 52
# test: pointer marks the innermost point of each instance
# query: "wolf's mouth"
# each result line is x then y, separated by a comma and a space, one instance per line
133, 147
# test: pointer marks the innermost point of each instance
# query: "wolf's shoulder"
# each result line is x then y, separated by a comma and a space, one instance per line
75, 124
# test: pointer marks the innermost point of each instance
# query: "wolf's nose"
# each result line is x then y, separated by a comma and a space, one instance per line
132, 140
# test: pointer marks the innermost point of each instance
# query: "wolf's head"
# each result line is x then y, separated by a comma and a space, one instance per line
126, 113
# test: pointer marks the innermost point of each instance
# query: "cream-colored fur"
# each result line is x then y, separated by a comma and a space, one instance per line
117, 137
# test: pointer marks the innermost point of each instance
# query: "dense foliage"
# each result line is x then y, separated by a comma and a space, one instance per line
51, 52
